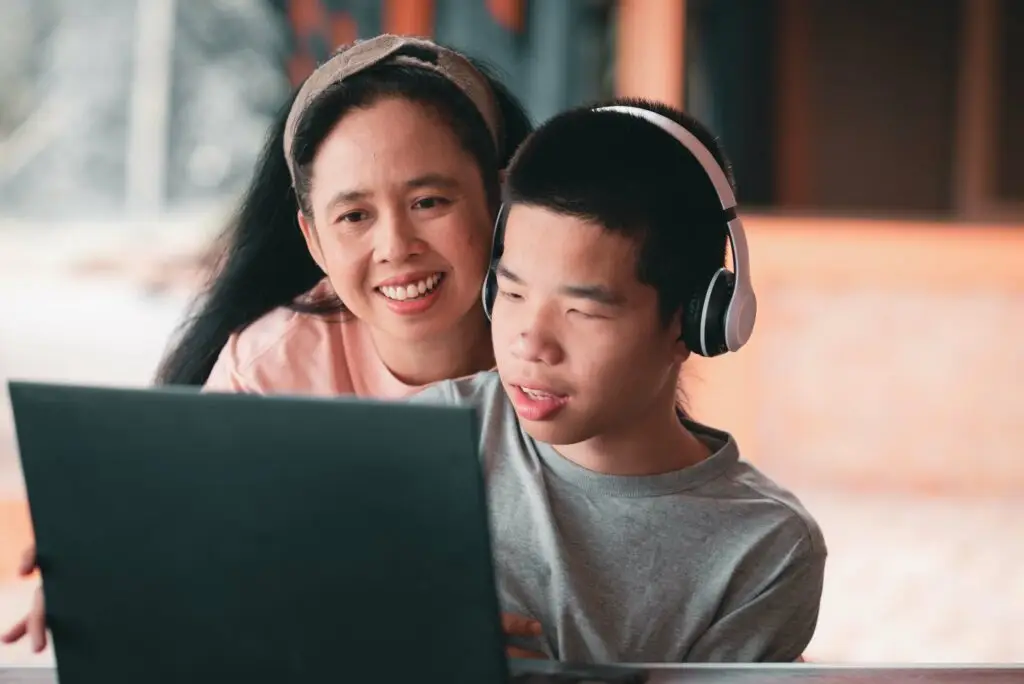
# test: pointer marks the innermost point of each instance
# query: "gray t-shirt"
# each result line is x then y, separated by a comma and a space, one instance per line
712, 563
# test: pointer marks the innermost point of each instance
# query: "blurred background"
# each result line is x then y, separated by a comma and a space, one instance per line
879, 151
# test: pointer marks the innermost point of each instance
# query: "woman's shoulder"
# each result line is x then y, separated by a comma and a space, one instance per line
286, 350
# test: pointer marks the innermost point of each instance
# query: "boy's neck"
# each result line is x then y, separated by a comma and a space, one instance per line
462, 351
654, 446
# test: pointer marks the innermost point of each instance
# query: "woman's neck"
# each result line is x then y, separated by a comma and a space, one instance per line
461, 351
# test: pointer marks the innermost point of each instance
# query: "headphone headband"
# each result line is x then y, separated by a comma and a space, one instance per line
723, 188
741, 309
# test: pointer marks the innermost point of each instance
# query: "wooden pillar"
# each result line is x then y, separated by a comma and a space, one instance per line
305, 17
794, 131
409, 17
650, 50
976, 103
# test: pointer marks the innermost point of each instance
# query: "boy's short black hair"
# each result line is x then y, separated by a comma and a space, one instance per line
626, 174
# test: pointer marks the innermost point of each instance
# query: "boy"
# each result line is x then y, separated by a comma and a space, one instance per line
627, 531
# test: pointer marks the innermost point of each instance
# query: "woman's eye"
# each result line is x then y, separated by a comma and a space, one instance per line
431, 203
353, 217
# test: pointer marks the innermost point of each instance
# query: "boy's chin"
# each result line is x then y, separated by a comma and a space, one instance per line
555, 432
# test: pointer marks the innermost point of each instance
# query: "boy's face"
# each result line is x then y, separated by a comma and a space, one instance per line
580, 346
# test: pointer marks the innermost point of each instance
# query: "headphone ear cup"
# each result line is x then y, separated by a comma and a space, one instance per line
490, 292
691, 322
716, 300
490, 288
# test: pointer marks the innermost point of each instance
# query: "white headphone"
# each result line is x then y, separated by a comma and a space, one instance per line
721, 318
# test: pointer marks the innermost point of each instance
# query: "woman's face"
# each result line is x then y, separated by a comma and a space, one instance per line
401, 224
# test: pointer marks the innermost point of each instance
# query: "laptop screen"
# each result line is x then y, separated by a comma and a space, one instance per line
193, 537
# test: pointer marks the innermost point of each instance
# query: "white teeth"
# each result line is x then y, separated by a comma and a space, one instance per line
412, 290
536, 394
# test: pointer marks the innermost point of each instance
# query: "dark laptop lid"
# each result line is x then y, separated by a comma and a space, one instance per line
197, 537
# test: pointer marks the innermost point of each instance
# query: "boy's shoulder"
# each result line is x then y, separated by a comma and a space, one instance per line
782, 517
758, 503
500, 432
479, 389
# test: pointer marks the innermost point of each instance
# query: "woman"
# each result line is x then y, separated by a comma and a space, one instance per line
383, 175
407, 181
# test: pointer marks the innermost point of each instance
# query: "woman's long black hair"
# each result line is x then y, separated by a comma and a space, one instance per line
263, 260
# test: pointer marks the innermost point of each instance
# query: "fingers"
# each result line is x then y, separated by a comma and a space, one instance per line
36, 621
16, 632
519, 625
27, 565
32, 625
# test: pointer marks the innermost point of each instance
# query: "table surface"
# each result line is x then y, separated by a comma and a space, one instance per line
744, 674
805, 673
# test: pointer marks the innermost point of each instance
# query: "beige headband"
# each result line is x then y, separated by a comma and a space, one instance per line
365, 54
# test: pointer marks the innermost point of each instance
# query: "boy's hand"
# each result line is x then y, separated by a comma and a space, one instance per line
34, 623
522, 627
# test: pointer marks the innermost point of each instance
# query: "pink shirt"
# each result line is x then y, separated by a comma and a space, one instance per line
287, 352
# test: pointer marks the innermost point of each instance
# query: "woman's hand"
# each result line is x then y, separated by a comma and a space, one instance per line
34, 623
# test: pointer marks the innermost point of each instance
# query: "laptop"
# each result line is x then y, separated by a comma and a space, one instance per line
205, 538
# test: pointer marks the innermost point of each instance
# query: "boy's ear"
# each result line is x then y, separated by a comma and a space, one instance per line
682, 352
312, 241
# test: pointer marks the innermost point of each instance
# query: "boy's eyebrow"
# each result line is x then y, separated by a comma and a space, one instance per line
508, 275
595, 293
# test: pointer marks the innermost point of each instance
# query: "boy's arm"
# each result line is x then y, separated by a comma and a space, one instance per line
482, 391
777, 622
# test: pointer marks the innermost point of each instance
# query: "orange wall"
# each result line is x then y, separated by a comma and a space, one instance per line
887, 354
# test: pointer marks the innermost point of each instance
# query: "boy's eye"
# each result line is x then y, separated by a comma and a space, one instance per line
510, 295
585, 315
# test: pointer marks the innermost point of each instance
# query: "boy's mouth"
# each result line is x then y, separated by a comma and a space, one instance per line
537, 394
535, 403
